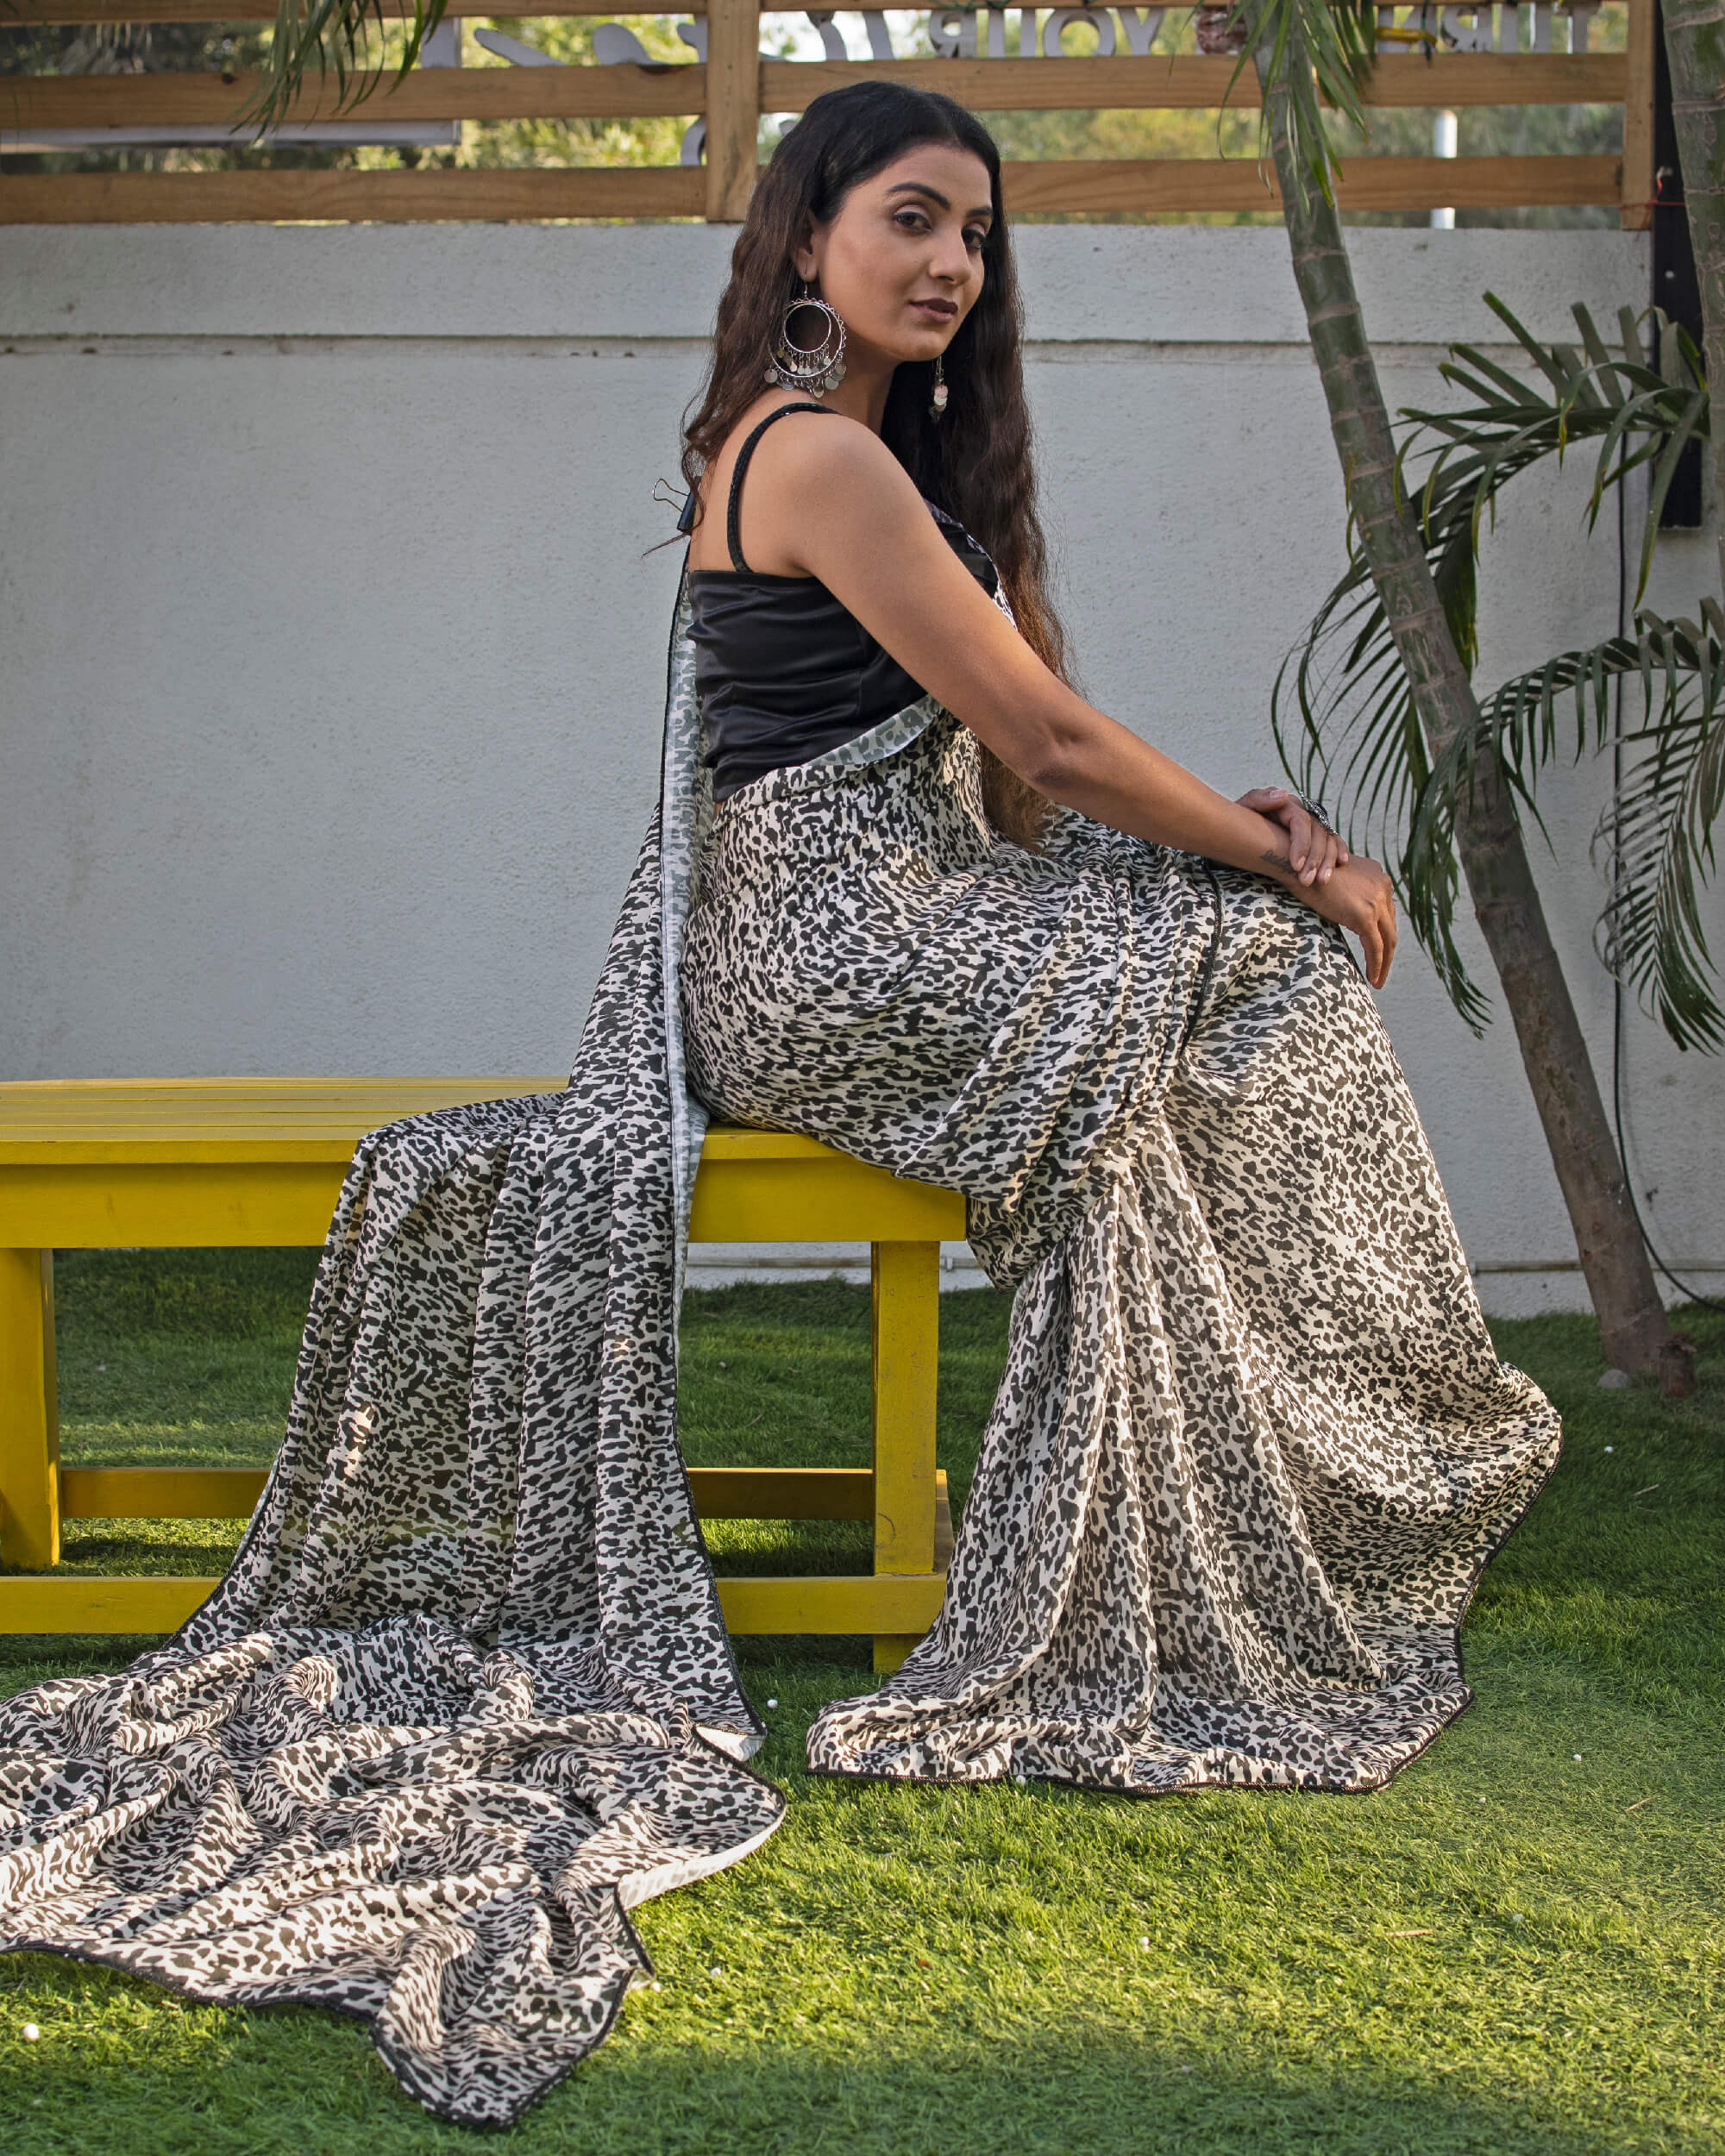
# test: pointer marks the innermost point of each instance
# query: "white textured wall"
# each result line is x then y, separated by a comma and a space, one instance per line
333, 650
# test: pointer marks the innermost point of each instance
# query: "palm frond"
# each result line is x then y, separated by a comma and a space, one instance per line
1342, 709
1634, 414
1322, 50
340, 38
1656, 841
1361, 748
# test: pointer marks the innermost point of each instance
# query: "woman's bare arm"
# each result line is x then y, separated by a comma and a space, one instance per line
825, 498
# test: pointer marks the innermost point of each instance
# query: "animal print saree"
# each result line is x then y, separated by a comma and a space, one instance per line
1252, 1446
465, 1696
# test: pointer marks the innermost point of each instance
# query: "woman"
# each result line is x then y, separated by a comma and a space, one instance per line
1253, 1443
465, 1695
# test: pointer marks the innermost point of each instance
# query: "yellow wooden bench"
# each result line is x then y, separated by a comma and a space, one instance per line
97, 1164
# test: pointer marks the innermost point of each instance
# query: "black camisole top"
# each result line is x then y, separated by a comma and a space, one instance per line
784, 672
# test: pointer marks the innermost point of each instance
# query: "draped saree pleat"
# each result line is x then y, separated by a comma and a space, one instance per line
465, 1695
1253, 1444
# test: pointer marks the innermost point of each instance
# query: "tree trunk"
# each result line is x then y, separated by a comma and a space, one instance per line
1633, 1326
1695, 53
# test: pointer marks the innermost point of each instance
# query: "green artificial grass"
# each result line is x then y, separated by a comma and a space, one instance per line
1513, 1948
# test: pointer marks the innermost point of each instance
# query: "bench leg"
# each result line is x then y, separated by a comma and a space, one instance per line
29, 1411
906, 1284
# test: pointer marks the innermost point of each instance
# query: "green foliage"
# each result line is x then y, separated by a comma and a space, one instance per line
1656, 841
1359, 734
146, 48
568, 41
1659, 835
340, 38
1637, 414
1511, 1952
1319, 52
363, 44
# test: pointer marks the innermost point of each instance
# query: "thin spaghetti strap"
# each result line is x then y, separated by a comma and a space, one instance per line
733, 537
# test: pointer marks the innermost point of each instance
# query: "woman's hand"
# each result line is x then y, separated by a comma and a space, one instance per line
1315, 851
1360, 896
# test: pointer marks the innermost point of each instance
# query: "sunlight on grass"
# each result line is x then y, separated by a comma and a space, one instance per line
1511, 1949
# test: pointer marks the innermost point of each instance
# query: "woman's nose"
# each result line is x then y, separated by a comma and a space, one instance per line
951, 259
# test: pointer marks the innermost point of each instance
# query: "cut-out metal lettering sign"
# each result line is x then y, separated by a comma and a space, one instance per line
979, 32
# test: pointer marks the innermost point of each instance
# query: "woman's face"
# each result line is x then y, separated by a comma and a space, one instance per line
902, 260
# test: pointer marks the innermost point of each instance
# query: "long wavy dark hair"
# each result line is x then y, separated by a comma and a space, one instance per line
975, 460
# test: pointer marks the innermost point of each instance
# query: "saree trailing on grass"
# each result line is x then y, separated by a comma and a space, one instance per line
465, 1696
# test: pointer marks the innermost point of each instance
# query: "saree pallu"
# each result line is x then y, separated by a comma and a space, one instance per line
464, 1697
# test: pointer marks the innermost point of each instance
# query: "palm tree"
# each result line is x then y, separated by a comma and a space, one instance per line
1305, 51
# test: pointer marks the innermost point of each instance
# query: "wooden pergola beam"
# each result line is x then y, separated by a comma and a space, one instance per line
1142, 186
584, 91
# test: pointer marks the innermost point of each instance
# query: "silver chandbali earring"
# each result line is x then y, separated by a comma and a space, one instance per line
936, 402
811, 368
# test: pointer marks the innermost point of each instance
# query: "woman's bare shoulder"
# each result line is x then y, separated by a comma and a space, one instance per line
798, 469
814, 442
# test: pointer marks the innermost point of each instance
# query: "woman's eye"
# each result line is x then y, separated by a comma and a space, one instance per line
911, 221
974, 239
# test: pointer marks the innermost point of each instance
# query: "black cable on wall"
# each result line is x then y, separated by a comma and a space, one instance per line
1707, 1302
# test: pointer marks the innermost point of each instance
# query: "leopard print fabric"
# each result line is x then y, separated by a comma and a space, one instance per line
465, 1696
1253, 1446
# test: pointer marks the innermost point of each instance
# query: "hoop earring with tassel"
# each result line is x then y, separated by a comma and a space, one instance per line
811, 368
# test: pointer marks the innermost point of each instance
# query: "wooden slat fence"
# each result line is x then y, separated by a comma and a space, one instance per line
735, 85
